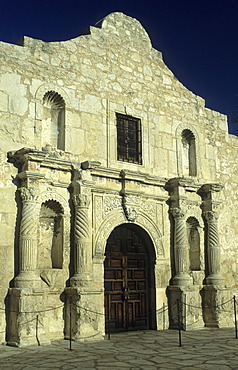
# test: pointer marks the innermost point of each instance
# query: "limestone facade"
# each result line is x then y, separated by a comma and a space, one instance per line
69, 180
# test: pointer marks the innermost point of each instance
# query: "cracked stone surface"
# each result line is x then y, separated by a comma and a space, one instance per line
201, 349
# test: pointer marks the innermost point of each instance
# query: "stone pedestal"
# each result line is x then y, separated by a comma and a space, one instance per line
84, 314
189, 305
25, 318
217, 307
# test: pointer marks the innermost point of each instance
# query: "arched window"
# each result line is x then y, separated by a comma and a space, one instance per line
189, 153
194, 244
53, 125
51, 235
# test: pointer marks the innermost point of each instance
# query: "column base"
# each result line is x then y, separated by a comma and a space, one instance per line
190, 305
84, 314
80, 280
27, 280
217, 306
182, 280
214, 279
24, 319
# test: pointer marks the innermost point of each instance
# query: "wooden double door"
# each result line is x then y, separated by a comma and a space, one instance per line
126, 281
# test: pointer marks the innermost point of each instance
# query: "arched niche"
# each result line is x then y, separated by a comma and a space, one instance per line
188, 152
189, 160
53, 120
51, 235
194, 243
49, 107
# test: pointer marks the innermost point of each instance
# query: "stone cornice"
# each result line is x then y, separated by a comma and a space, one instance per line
26, 157
212, 187
113, 173
183, 182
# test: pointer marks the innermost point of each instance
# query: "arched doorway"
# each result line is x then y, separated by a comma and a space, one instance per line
129, 281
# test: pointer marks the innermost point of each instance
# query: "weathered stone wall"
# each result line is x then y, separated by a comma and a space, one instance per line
111, 69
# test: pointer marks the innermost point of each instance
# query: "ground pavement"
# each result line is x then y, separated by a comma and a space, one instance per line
201, 349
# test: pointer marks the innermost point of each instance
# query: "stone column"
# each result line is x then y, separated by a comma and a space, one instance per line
181, 277
209, 210
213, 292
213, 249
27, 276
82, 245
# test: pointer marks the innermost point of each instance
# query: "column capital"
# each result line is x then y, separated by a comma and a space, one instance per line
28, 194
178, 212
210, 216
81, 200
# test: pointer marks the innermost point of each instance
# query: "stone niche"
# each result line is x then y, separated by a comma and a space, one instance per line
51, 236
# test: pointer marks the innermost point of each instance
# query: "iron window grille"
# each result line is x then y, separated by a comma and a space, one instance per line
129, 148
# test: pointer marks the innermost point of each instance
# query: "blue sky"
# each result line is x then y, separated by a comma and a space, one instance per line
198, 38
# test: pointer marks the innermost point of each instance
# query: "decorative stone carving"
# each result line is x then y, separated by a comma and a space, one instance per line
81, 224
129, 211
97, 211
28, 194
81, 200
111, 203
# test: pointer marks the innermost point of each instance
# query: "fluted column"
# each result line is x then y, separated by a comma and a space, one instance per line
82, 246
213, 249
180, 248
27, 276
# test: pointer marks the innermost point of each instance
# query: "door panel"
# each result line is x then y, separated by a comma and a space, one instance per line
126, 281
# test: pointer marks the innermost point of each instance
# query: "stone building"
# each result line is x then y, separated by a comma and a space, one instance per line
119, 191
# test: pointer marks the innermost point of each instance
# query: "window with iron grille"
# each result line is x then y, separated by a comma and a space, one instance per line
129, 139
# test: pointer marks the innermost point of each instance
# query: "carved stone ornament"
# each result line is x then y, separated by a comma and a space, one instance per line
111, 203
81, 200
177, 212
211, 216
28, 194
129, 211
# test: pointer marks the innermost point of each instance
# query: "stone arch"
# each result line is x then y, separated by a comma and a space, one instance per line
52, 195
187, 142
43, 89
116, 219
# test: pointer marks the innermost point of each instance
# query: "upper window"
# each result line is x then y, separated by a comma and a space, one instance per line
129, 147
189, 153
53, 125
